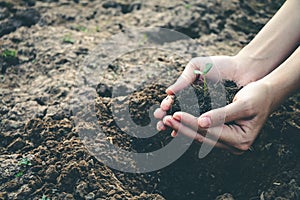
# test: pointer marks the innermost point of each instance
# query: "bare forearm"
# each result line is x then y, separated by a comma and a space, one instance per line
275, 42
285, 79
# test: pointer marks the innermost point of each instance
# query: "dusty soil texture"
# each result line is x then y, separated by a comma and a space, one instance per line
43, 45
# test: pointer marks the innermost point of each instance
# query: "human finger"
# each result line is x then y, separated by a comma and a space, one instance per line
167, 103
182, 129
159, 113
160, 126
185, 79
229, 113
174, 133
187, 119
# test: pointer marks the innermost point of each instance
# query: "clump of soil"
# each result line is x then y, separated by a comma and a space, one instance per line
210, 170
139, 104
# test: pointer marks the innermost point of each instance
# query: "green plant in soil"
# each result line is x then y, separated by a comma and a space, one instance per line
8, 57
144, 40
207, 68
145, 37
98, 29
44, 197
80, 28
25, 161
9, 53
68, 39
19, 174
187, 6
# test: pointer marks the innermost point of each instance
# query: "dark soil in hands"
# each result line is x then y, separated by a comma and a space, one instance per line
41, 153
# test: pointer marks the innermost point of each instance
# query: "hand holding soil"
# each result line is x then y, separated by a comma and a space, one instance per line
48, 47
245, 116
252, 105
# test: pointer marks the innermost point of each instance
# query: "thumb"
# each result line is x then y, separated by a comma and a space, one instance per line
231, 112
186, 78
182, 82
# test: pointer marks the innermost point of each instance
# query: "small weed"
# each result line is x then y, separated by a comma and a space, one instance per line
188, 6
98, 29
81, 28
19, 174
145, 37
9, 53
9, 58
144, 40
207, 68
68, 39
25, 161
44, 197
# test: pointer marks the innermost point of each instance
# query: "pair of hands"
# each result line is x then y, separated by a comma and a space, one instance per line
268, 68
244, 117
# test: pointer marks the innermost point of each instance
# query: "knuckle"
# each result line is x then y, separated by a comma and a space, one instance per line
249, 108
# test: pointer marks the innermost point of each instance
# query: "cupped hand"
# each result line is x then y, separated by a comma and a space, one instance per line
233, 68
224, 68
244, 117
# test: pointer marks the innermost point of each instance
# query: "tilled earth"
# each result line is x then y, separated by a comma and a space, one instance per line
43, 45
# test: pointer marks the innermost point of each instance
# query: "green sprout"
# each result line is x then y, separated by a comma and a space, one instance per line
143, 40
207, 68
81, 28
25, 161
9, 53
98, 29
145, 37
188, 6
68, 39
19, 174
44, 197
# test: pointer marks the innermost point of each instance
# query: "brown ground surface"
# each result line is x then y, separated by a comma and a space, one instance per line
41, 152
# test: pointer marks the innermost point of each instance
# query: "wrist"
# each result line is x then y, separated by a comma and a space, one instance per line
252, 67
273, 96
279, 87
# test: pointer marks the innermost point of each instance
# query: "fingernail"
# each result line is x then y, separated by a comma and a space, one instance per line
169, 91
167, 102
177, 116
173, 134
160, 126
167, 122
204, 122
